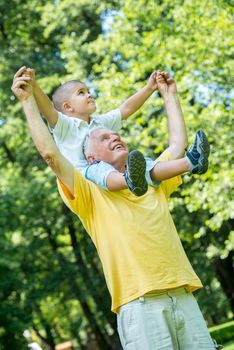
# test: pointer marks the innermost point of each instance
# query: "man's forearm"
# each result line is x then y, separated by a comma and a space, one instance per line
39, 132
45, 105
46, 145
133, 103
176, 124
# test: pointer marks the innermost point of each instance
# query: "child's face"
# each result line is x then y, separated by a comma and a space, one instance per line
81, 103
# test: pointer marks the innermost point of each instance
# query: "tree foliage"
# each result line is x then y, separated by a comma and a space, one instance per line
51, 278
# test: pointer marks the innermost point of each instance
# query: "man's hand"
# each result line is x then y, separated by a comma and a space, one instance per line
152, 83
165, 83
43, 102
21, 86
31, 73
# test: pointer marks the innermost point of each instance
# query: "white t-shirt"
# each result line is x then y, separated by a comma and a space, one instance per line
69, 134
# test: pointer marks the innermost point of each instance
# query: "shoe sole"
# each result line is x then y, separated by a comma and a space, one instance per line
136, 168
204, 149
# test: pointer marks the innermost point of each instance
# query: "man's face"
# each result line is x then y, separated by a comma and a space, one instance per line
108, 147
81, 102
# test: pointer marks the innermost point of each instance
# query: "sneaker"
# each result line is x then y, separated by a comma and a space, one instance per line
216, 345
135, 173
198, 154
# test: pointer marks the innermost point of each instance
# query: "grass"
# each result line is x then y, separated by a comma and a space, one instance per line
224, 334
229, 346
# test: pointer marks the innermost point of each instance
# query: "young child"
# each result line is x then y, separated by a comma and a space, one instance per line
70, 121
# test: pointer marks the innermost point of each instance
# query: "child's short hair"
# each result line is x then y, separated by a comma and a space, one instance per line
62, 93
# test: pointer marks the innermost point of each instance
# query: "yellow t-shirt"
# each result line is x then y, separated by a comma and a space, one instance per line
135, 237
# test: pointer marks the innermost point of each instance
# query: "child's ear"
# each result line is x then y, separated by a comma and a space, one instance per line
67, 107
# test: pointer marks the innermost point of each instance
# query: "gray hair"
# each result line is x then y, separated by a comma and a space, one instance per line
87, 144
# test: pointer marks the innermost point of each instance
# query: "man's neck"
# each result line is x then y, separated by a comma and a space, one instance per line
121, 165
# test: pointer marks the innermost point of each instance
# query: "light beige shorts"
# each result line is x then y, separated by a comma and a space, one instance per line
168, 321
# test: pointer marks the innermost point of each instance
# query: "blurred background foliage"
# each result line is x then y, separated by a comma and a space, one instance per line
51, 281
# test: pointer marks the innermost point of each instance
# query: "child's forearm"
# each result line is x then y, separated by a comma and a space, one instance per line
133, 103
45, 105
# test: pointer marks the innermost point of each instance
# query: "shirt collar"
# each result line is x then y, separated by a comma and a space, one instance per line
80, 122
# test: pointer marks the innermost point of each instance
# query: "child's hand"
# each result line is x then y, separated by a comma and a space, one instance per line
21, 86
152, 83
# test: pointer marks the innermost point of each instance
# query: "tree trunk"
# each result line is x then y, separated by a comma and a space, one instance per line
89, 278
225, 273
100, 339
48, 341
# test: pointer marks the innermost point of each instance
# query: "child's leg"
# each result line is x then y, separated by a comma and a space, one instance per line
115, 181
195, 161
168, 169
107, 177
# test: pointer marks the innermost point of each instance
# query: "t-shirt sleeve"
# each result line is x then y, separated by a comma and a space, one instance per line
79, 202
170, 185
62, 128
111, 120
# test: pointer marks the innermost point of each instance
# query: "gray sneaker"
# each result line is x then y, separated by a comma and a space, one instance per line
216, 345
135, 173
198, 154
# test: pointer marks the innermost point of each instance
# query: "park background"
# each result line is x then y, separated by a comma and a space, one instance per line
51, 281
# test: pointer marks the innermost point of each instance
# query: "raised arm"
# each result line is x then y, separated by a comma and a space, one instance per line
133, 103
43, 102
40, 133
45, 105
178, 140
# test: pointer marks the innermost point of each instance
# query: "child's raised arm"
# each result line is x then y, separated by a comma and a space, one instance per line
133, 103
45, 106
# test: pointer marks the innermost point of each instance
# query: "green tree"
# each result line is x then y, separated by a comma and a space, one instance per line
51, 279
191, 39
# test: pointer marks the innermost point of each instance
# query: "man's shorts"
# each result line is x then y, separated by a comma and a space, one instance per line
169, 320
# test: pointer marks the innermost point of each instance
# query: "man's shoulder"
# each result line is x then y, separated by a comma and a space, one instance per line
81, 199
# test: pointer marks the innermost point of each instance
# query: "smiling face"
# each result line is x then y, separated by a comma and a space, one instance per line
79, 103
106, 145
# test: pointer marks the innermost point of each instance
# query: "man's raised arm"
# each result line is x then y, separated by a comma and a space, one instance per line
40, 134
178, 140
44, 104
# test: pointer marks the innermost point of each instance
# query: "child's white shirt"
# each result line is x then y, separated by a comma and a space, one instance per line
69, 133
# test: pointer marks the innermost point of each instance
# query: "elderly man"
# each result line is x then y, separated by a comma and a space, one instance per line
147, 272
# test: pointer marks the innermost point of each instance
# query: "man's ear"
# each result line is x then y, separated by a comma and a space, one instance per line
90, 158
67, 107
